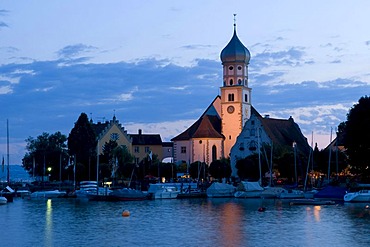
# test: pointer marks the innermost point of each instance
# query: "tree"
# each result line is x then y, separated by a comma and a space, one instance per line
46, 151
198, 170
220, 169
357, 135
82, 145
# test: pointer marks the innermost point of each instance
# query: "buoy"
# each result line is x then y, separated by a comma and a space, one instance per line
261, 209
126, 213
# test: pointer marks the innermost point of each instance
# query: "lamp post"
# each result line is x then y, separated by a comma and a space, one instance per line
49, 173
295, 163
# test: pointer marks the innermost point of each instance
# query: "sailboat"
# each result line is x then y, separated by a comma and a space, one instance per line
7, 192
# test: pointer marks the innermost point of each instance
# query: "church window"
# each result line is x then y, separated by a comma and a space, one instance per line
200, 142
137, 149
239, 67
231, 82
214, 153
231, 97
183, 150
229, 137
231, 67
246, 97
239, 81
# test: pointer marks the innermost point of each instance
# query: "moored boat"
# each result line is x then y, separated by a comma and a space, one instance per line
310, 202
247, 189
47, 194
359, 196
3, 200
220, 190
126, 194
291, 194
162, 191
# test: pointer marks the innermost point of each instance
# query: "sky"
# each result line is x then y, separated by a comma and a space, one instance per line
156, 65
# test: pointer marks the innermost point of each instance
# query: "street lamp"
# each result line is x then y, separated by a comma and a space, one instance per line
49, 171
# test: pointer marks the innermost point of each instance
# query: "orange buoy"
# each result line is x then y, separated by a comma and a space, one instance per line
126, 213
261, 209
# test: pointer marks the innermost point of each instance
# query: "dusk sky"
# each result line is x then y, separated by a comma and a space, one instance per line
156, 64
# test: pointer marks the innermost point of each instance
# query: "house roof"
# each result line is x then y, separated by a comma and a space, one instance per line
206, 127
284, 132
146, 139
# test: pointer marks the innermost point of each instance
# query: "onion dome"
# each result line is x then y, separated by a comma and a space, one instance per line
235, 51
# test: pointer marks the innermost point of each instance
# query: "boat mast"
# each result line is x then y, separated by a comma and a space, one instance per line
331, 131
7, 151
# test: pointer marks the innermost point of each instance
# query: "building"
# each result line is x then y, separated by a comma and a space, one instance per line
231, 127
212, 136
259, 131
139, 145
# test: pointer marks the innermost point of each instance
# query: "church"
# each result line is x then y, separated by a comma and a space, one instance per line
227, 129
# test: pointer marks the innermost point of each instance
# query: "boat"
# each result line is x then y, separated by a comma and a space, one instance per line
162, 191
335, 193
247, 189
291, 194
8, 193
90, 190
3, 200
126, 194
271, 192
359, 196
311, 202
193, 193
47, 194
220, 190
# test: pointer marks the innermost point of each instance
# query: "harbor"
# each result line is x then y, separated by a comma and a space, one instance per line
186, 222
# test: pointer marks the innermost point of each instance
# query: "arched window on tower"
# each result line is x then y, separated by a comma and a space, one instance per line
246, 98
214, 153
231, 82
230, 97
240, 81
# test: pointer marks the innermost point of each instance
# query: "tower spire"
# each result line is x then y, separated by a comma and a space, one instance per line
234, 21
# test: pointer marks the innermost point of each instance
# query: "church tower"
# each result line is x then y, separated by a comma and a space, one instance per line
235, 93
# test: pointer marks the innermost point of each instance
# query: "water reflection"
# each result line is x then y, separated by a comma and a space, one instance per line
48, 237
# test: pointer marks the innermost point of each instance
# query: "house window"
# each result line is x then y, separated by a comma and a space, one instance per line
253, 132
136, 160
252, 146
147, 149
137, 149
252, 122
183, 150
241, 146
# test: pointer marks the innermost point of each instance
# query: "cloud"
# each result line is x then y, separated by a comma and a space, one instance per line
73, 51
158, 96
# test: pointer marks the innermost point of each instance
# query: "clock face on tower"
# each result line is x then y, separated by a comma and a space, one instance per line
230, 109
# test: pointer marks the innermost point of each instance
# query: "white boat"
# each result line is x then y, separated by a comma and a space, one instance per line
89, 189
221, 190
248, 189
48, 194
360, 196
291, 194
271, 192
163, 191
3, 200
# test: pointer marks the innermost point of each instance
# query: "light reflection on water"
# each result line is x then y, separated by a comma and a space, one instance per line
193, 222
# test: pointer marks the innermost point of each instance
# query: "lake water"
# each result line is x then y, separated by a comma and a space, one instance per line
182, 222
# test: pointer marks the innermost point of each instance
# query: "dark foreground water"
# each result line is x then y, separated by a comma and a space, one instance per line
187, 222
